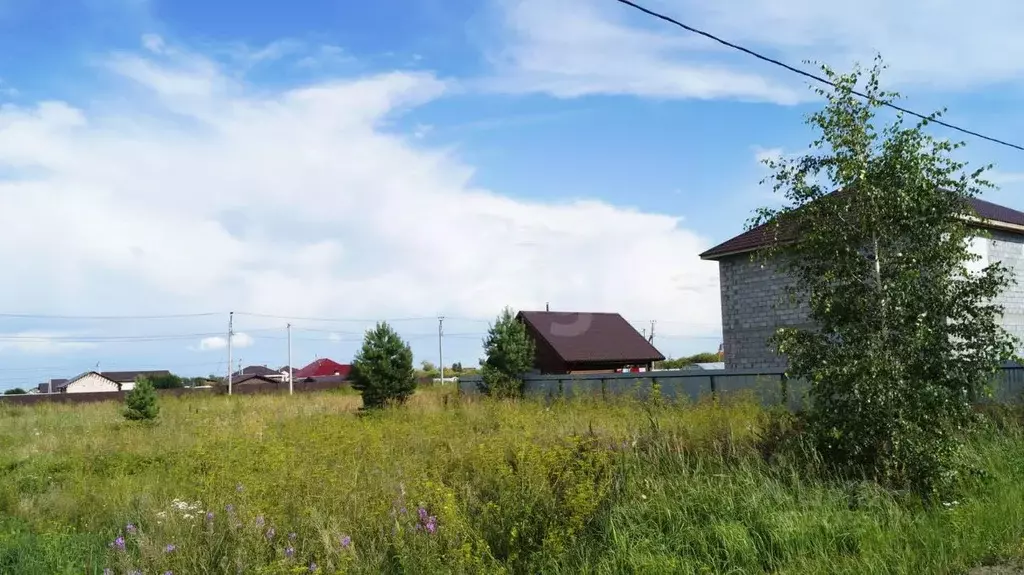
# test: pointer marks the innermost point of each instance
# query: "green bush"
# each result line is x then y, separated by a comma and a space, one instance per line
15, 391
509, 353
382, 371
140, 403
166, 381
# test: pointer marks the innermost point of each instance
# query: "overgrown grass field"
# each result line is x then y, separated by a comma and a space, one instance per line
279, 484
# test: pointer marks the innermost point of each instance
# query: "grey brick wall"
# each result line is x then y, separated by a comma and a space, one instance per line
754, 303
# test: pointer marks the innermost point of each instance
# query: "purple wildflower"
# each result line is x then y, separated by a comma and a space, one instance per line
312, 566
118, 543
292, 536
130, 528
403, 510
431, 525
260, 521
271, 533
209, 516
230, 508
239, 487
168, 572
346, 541
289, 551
170, 548
423, 513
108, 571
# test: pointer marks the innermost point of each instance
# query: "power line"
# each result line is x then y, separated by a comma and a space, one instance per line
354, 320
106, 317
815, 77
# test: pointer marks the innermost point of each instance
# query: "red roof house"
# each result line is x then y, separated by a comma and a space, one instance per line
323, 368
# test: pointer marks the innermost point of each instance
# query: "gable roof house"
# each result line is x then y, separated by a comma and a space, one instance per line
753, 295
569, 342
260, 370
88, 382
323, 368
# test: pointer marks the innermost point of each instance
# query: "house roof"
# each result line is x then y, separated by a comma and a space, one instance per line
68, 382
255, 370
590, 337
252, 378
129, 376
323, 368
761, 236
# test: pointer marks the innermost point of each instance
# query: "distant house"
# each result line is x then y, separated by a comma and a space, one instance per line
260, 370
126, 379
88, 382
569, 342
323, 368
252, 378
52, 386
753, 292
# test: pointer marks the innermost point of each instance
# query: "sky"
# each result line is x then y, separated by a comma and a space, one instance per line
331, 163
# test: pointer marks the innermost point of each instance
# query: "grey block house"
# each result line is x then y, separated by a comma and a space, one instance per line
753, 293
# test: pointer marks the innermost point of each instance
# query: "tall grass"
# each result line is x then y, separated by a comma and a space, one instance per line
563, 487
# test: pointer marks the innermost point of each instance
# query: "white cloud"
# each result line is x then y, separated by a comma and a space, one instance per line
42, 342
579, 47
198, 192
763, 154
238, 340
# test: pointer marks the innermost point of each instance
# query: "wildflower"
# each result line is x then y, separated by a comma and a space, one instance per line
118, 543
135, 572
130, 528
209, 516
423, 513
431, 525
403, 510
270, 533
168, 572
108, 571
289, 551
230, 508
170, 547
346, 541
260, 521
291, 536
312, 566
239, 488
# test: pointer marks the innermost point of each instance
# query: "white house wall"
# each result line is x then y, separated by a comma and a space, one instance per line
91, 383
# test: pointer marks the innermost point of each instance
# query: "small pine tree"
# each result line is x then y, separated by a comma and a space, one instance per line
510, 353
382, 370
140, 402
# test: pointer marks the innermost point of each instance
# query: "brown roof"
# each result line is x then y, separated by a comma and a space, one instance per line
591, 337
760, 236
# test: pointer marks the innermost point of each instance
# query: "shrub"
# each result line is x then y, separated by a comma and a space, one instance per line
905, 337
140, 403
510, 353
382, 371
166, 381
15, 391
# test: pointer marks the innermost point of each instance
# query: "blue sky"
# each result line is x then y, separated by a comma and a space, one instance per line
395, 160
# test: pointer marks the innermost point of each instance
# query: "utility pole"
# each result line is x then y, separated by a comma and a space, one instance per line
231, 335
651, 340
290, 391
440, 347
